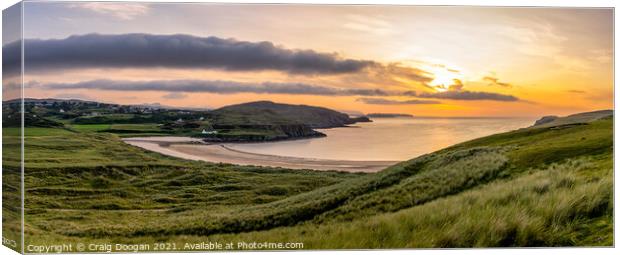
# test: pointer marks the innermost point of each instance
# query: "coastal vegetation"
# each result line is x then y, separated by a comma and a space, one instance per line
546, 185
248, 122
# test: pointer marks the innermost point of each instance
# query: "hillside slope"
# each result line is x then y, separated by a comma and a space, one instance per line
544, 186
532, 187
76, 181
574, 119
553, 206
266, 111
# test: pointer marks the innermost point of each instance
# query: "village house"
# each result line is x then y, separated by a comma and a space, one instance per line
211, 132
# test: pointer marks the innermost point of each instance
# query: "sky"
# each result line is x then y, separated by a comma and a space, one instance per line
425, 61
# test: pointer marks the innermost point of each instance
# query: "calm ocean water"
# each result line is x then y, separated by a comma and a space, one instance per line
388, 138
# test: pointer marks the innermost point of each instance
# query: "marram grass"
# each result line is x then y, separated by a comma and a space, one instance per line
531, 187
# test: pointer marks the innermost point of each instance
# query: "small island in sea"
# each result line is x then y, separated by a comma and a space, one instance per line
389, 115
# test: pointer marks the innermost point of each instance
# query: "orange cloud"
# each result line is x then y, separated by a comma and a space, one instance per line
495, 81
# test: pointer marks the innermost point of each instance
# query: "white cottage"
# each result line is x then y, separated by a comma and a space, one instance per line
205, 132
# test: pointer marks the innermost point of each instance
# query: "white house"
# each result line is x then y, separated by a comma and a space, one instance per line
205, 132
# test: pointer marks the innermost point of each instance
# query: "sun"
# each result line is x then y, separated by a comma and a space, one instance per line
443, 77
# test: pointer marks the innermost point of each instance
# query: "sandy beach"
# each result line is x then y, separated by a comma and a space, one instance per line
195, 149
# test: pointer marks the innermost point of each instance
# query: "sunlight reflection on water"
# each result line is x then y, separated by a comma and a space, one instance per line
388, 138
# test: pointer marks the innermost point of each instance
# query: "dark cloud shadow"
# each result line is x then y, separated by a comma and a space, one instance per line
174, 51
218, 86
383, 101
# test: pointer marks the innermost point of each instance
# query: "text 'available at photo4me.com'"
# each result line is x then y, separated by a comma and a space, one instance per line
162, 247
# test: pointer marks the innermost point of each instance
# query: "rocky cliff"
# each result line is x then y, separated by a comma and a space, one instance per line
262, 133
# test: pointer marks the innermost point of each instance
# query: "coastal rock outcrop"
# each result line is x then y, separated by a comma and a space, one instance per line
574, 119
545, 120
262, 133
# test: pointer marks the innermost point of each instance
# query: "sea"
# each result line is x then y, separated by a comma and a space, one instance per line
390, 139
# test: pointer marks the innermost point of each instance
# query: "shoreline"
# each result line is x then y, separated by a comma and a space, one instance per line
196, 149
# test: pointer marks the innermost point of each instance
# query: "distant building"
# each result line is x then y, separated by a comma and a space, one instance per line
61, 111
212, 132
202, 118
180, 120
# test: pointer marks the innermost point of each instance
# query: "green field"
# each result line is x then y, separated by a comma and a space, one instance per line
548, 186
90, 127
11, 187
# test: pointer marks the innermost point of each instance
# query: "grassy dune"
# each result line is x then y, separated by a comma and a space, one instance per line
548, 186
11, 190
554, 206
79, 180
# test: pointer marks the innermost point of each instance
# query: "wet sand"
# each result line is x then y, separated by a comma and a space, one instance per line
196, 149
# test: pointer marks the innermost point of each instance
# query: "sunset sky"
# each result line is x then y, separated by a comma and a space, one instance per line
430, 61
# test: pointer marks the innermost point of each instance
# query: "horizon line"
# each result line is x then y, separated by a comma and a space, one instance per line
207, 108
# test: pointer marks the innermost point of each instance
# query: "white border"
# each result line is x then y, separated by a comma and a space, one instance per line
544, 3
512, 3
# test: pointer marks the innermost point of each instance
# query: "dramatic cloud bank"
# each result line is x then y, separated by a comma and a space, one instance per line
457, 91
218, 86
382, 101
177, 87
175, 51
466, 95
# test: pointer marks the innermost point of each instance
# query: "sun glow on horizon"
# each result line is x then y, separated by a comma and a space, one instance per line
444, 77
